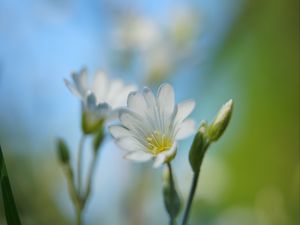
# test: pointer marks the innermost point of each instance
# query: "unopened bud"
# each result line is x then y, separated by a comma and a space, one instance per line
198, 148
90, 123
63, 151
218, 126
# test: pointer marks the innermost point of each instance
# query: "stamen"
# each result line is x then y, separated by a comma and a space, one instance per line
158, 142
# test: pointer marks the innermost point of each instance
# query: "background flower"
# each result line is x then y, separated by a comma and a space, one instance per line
102, 97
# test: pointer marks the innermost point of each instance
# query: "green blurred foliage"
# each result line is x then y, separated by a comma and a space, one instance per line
262, 56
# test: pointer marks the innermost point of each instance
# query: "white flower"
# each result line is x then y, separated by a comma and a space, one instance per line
101, 97
151, 125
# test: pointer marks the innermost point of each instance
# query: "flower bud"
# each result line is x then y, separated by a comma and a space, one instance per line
198, 148
218, 126
90, 123
171, 197
63, 151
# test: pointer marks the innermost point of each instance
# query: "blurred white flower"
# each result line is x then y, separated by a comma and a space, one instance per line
151, 125
102, 97
136, 32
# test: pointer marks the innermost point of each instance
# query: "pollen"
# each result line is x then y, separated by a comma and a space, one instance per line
158, 142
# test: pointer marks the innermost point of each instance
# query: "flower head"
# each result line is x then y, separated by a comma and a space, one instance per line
151, 125
102, 97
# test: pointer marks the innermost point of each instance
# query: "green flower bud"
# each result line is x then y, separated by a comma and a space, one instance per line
63, 151
218, 126
171, 197
198, 148
90, 123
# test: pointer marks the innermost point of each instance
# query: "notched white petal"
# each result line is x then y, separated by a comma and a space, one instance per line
185, 129
128, 118
114, 89
122, 95
136, 103
118, 131
149, 97
184, 110
83, 79
100, 85
166, 98
72, 88
138, 156
129, 144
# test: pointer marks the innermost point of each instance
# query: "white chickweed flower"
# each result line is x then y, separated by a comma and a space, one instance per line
102, 97
151, 125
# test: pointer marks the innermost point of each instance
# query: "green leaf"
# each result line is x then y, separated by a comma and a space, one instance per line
10, 208
62, 151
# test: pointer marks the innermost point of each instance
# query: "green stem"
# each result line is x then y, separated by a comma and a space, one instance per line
79, 216
193, 188
90, 178
79, 164
73, 193
191, 197
172, 219
171, 175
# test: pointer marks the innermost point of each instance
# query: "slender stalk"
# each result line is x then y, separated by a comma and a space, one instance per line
171, 174
90, 178
172, 219
79, 216
191, 197
79, 164
73, 193
79, 206
193, 188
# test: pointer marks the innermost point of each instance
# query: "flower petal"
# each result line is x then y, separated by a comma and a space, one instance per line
132, 120
185, 129
83, 79
100, 85
184, 110
114, 90
129, 144
149, 97
166, 98
118, 131
165, 156
139, 156
136, 103
73, 89
120, 99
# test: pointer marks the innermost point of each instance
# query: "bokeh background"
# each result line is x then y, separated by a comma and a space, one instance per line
210, 50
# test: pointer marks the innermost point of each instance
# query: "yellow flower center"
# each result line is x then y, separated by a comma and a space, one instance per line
158, 142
